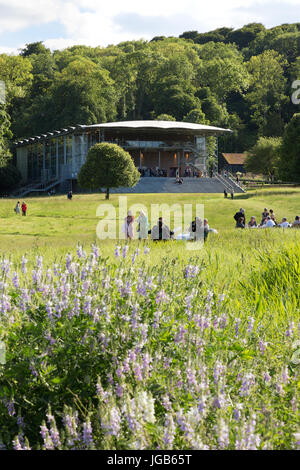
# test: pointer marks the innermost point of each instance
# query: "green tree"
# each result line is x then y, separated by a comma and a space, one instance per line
197, 116
266, 94
165, 117
289, 169
108, 166
5, 135
264, 157
9, 177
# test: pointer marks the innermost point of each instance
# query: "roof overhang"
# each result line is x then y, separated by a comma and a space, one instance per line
131, 126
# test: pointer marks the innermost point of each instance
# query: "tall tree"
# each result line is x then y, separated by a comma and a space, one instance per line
289, 169
266, 94
264, 157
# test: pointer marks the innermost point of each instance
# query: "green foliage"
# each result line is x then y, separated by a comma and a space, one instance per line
264, 157
239, 78
266, 94
108, 166
5, 135
197, 116
290, 152
9, 177
165, 117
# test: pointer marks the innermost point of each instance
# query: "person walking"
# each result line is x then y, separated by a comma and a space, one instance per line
232, 194
17, 208
24, 208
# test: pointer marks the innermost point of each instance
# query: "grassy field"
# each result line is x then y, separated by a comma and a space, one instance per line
55, 225
171, 349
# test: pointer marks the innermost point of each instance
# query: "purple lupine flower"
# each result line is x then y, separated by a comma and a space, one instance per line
237, 325
111, 422
262, 346
95, 251
247, 382
23, 264
146, 250
289, 333
161, 297
219, 371
251, 324
15, 281
223, 434
87, 434
125, 251
16, 444
169, 431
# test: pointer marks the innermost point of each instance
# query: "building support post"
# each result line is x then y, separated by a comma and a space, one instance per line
65, 150
159, 159
140, 158
57, 172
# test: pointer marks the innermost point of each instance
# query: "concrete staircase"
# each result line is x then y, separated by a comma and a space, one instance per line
167, 185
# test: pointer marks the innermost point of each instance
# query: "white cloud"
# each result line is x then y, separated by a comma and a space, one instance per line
94, 22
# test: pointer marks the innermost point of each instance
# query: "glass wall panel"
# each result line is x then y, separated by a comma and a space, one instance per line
60, 153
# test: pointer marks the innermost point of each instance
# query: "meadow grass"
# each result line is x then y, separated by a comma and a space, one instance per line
171, 349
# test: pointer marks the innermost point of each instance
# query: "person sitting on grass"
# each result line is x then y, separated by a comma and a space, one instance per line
296, 223
240, 215
161, 231
284, 223
252, 223
240, 223
197, 229
269, 223
264, 216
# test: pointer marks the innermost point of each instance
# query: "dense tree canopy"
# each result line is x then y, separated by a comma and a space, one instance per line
264, 157
290, 152
233, 78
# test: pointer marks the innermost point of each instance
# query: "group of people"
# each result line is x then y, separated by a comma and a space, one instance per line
197, 230
153, 172
20, 208
268, 220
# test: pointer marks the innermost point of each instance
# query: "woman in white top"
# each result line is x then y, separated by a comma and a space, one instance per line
17, 208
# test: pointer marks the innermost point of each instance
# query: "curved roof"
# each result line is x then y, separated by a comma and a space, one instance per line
171, 126
162, 125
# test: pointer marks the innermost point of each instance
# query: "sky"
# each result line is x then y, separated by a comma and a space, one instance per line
63, 23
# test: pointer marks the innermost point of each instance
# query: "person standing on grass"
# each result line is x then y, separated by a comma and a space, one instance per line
24, 208
128, 226
143, 226
232, 194
17, 208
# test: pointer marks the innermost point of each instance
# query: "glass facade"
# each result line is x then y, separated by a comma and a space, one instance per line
62, 156
35, 161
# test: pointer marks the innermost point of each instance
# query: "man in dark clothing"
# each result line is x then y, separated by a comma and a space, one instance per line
240, 215
161, 231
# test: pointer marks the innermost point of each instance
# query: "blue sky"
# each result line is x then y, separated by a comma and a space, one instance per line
62, 23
